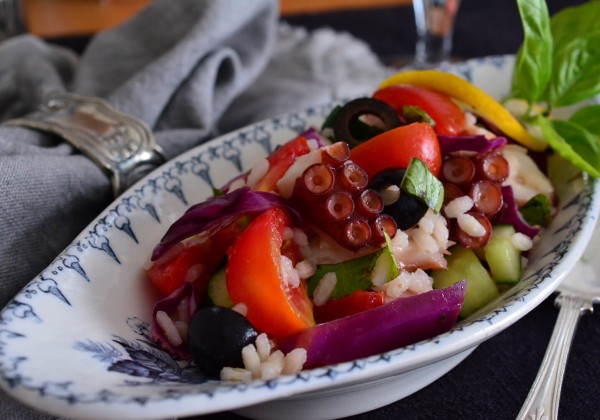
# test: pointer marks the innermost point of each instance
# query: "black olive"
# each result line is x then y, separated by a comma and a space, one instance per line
216, 338
347, 126
407, 210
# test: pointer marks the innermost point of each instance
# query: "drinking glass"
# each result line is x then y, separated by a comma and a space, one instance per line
434, 20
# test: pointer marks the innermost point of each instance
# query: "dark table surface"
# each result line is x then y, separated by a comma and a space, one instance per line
493, 382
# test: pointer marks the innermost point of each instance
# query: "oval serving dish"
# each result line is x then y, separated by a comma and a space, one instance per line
75, 341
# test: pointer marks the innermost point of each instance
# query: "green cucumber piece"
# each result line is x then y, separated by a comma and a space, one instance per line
217, 290
358, 274
502, 257
464, 264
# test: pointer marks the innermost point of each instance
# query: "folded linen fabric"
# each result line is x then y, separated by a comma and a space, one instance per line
190, 69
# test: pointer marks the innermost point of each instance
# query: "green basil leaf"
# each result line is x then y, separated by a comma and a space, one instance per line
330, 119
413, 113
576, 67
575, 21
419, 182
581, 140
588, 117
577, 147
534, 61
537, 211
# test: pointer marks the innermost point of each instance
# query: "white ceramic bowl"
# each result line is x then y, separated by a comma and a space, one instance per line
74, 342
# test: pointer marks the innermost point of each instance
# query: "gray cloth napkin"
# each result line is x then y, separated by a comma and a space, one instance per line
190, 69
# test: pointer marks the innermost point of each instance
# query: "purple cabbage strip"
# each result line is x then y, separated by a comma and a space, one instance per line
225, 188
313, 134
509, 214
170, 305
216, 213
479, 144
396, 324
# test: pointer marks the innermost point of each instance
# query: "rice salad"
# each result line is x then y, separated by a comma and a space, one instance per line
404, 213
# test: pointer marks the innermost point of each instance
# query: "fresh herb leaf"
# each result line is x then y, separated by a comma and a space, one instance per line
573, 22
330, 120
537, 211
579, 142
588, 117
576, 70
534, 61
413, 113
419, 182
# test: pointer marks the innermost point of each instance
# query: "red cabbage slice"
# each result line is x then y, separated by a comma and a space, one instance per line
396, 324
313, 134
215, 214
170, 305
479, 144
509, 214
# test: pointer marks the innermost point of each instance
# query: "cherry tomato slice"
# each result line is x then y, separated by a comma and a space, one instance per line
280, 161
476, 99
359, 301
172, 274
395, 148
254, 278
194, 263
449, 118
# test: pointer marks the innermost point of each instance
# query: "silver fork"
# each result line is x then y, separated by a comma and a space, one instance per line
577, 294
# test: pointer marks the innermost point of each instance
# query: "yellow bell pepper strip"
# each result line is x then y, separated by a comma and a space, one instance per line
476, 99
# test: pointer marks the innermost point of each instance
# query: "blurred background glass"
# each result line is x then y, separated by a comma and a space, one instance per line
434, 20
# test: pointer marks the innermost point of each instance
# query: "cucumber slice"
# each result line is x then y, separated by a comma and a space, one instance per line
502, 257
464, 264
360, 273
217, 290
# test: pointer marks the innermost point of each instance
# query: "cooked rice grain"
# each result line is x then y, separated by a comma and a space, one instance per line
470, 225
289, 273
521, 241
168, 326
305, 269
262, 361
325, 288
294, 361
251, 360
458, 206
236, 374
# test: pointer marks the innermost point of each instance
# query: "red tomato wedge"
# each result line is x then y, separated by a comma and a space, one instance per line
395, 148
194, 263
359, 301
171, 274
280, 161
254, 278
449, 118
